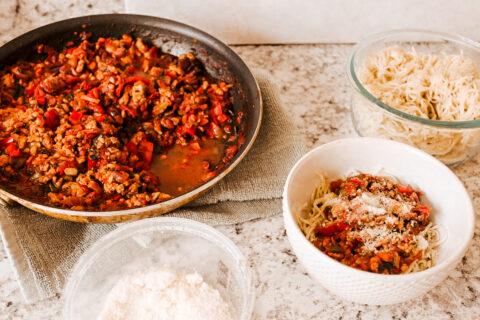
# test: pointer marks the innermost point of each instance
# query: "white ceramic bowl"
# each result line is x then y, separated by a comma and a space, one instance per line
177, 243
443, 191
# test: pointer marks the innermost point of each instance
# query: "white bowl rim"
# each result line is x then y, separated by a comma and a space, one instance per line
159, 224
344, 268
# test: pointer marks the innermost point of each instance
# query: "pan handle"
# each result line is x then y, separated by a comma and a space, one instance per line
5, 201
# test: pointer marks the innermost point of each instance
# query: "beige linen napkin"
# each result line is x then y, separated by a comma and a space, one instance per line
43, 250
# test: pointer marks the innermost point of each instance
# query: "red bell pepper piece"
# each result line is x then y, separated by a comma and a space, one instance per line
94, 93
97, 108
332, 229
119, 89
30, 90
91, 163
424, 210
85, 86
69, 79
13, 151
39, 95
101, 118
6, 141
407, 190
75, 116
51, 119
78, 52
358, 182
135, 79
218, 111
132, 112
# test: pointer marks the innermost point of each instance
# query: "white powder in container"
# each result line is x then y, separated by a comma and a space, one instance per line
164, 294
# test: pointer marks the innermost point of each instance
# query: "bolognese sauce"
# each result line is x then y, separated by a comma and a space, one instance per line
112, 124
371, 223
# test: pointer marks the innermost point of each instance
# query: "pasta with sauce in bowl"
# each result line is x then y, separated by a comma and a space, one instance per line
371, 223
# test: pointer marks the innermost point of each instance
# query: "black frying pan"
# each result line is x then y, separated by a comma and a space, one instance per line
172, 37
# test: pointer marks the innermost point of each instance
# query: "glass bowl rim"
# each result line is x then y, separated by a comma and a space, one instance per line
358, 86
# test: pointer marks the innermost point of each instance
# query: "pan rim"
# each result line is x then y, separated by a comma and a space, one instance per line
126, 214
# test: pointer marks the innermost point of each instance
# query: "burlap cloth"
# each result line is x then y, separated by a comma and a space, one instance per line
43, 250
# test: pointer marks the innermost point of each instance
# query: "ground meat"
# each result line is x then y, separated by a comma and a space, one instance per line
79, 128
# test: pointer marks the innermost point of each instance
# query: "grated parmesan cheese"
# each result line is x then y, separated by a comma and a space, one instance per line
164, 294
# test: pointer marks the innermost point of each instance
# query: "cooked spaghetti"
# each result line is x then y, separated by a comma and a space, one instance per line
436, 87
371, 223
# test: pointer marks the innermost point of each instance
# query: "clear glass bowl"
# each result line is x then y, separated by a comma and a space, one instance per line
452, 142
181, 244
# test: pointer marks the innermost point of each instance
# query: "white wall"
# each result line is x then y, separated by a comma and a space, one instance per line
311, 21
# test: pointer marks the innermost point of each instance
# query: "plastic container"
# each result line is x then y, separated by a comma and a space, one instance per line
180, 244
452, 142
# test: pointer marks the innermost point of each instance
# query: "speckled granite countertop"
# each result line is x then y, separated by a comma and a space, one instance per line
314, 88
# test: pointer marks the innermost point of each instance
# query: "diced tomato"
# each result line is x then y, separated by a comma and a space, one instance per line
75, 116
190, 131
131, 147
222, 118
334, 185
407, 190
13, 151
218, 111
239, 116
78, 52
230, 152
91, 163
358, 182
97, 108
41, 121
170, 73
30, 90
38, 72
145, 149
95, 163
136, 79
51, 119
422, 209
152, 53
332, 229
130, 69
